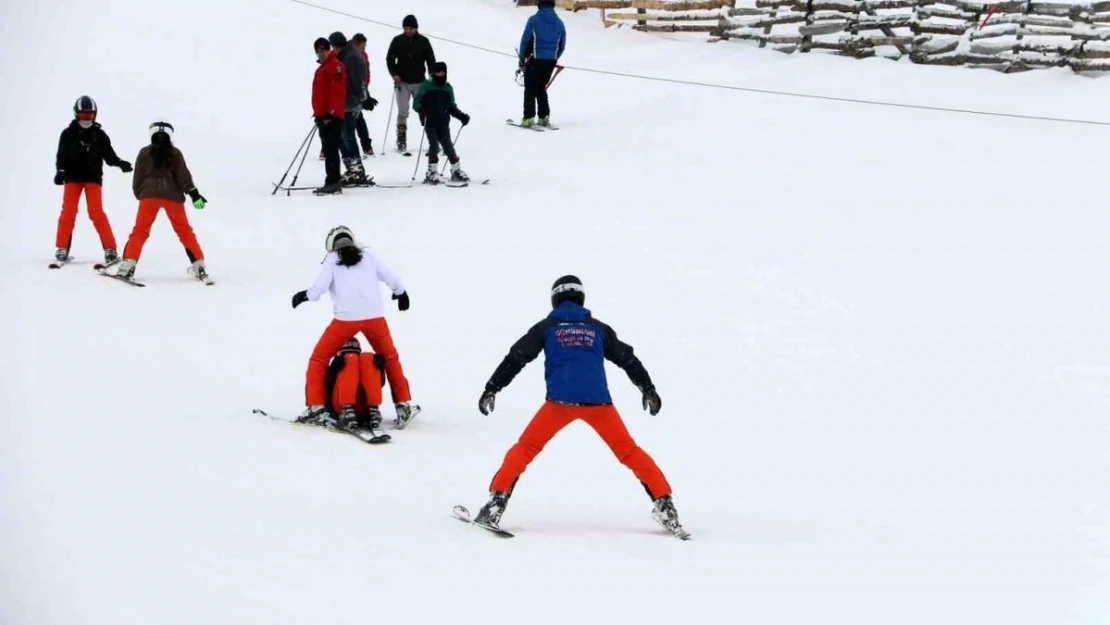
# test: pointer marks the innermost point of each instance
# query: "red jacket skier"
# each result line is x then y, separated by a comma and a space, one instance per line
329, 103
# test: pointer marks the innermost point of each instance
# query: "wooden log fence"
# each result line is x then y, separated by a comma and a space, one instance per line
1009, 36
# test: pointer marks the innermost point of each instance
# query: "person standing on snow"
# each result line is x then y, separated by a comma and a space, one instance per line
543, 42
161, 181
351, 275
83, 148
575, 346
368, 105
435, 103
410, 53
353, 61
329, 100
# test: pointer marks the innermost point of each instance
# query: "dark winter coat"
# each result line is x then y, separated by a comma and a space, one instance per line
545, 36
355, 64
168, 182
575, 347
409, 57
436, 104
329, 88
82, 153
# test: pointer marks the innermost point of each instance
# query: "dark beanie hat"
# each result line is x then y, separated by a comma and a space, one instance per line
320, 43
337, 39
409, 22
440, 66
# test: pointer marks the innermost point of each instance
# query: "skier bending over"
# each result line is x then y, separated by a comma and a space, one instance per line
435, 102
354, 383
351, 275
575, 347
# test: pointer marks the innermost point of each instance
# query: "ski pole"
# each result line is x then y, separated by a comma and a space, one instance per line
418, 151
454, 143
307, 139
558, 68
389, 117
307, 149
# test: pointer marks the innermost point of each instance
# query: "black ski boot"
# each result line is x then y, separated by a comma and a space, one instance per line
329, 189
490, 514
348, 420
665, 515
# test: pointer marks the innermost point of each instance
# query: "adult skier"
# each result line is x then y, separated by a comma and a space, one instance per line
350, 274
575, 347
368, 105
543, 42
329, 101
409, 54
161, 181
435, 103
353, 61
83, 148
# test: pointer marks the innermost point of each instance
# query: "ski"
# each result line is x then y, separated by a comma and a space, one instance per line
58, 264
103, 266
413, 411
373, 436
535, 127
462, 514
207, 279
130, 281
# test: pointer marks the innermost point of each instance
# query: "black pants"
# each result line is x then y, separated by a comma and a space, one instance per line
536, 76
440, 136
330, 136
363, 133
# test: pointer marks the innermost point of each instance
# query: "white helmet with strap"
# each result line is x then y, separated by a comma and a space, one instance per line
339, 237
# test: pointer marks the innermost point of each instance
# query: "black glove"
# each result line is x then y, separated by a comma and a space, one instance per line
485, 402
402, 301
464, 118
422, 117
60, 177
379, 362
299, 298
652, 403
124, 166
369, 103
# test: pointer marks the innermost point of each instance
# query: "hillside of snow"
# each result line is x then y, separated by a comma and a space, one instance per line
880, 336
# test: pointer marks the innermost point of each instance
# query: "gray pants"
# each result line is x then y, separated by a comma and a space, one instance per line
405, 93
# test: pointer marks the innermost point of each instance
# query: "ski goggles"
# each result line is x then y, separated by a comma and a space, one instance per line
86, 116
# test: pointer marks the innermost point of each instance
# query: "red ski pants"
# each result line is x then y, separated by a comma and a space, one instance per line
358, 373
337, 333
148, 212
605, 420
71, 195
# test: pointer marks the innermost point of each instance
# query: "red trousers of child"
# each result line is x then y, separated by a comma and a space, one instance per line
71, 195
358, 373
605, 420
337, 333
148, 212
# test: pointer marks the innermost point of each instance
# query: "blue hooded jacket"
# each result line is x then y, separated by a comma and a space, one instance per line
576, 347
545, 37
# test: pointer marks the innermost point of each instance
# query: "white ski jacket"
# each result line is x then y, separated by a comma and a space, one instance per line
354, 291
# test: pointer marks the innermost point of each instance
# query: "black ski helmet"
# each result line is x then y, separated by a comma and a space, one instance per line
84, 104
568, 288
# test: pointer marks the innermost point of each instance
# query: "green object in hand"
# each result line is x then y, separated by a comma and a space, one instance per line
198, 203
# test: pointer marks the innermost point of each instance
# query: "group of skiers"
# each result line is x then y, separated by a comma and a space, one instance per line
343, 384
160, 181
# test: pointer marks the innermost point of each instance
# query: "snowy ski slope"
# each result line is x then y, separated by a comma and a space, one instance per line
880, 337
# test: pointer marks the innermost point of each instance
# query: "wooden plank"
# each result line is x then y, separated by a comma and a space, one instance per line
634, 17
824, 28
676, 28
940, 29
681, 5
772, 39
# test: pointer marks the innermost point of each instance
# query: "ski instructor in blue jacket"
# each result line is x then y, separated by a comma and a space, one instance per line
541, 45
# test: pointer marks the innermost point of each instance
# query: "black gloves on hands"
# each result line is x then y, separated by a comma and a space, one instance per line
485, 403
652, 403
299, 298
464, 118
60, 178
379, 362
124, 166
402, 301
369, 103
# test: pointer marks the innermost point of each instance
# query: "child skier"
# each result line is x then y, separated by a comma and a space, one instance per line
354, 384
161, 181
83, 148
435, 102
575, 346
351, 275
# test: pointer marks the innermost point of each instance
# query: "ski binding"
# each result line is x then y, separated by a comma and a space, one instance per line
462, 514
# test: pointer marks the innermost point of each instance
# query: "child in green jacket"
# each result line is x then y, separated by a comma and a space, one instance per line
435, 102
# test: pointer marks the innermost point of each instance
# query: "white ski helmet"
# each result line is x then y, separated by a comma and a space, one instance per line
339, 237
160, 125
